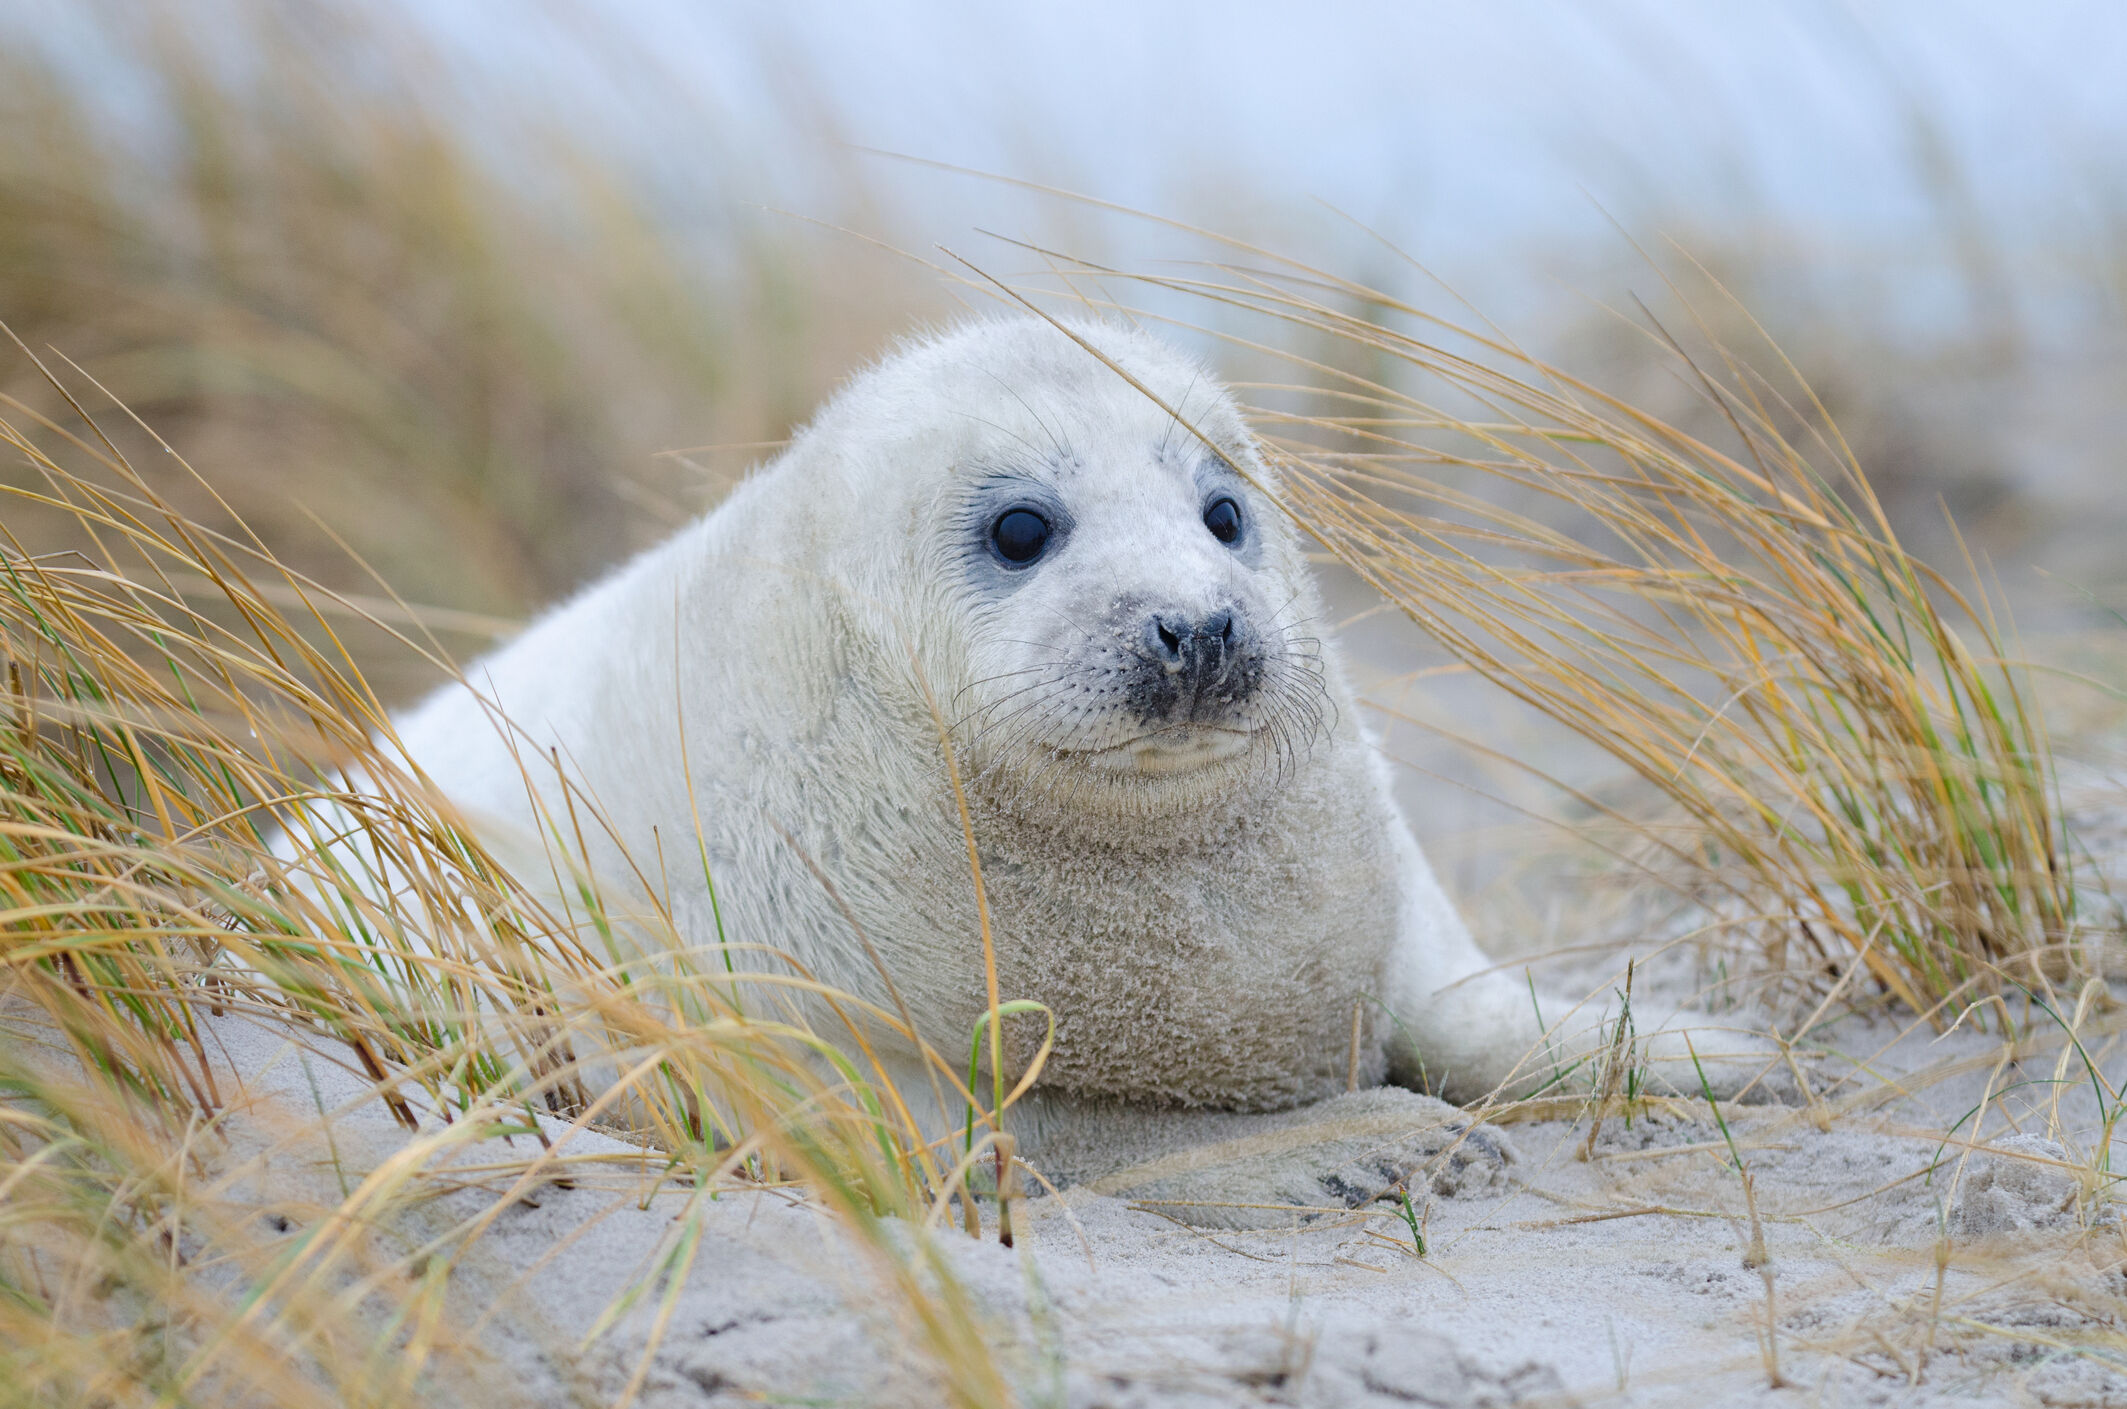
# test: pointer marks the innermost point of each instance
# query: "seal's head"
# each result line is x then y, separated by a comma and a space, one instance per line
1115, 615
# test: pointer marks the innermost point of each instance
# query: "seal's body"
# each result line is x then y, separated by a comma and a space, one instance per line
1048, 563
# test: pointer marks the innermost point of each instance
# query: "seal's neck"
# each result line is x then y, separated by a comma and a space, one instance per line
1060, 809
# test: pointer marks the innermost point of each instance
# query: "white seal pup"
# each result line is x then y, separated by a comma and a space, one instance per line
1072, 566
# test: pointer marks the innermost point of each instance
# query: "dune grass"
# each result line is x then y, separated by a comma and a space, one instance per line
365, 316
1838, 749
202, 820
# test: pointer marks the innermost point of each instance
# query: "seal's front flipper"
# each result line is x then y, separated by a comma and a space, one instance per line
1266, 1171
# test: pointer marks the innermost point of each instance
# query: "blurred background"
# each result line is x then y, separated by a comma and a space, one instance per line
473, 297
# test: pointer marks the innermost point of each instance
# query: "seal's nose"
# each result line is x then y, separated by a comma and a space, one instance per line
1198, 649
1193, 669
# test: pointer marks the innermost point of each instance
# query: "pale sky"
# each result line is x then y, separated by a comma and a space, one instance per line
1475, 134
1466, 131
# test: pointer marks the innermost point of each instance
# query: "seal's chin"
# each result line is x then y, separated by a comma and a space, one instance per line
1169, 751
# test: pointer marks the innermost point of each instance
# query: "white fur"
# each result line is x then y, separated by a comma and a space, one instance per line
1202, 909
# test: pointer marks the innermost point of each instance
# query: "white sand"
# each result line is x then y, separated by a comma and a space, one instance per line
1542, 1294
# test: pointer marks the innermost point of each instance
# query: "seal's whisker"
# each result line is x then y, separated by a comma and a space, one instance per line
1002, 736
1057, 440
1020, 724
1291, 598
1004, 699
1069, 621
991, 706
1057, 669
1017, 733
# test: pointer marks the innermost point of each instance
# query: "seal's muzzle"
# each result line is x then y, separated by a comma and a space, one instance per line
1194, 671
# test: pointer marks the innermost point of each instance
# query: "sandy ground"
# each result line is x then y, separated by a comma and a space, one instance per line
1935, 1227
1616, 1279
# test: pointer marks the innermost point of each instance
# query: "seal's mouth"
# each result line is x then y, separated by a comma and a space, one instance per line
1178, 749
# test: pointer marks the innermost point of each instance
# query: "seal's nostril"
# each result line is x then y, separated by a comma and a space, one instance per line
1169, 639
1221, 626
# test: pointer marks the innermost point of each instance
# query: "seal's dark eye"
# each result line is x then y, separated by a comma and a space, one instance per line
1020, 535
1223, 518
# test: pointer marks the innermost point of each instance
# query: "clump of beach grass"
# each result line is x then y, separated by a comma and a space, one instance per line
202, 819
1850, 768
